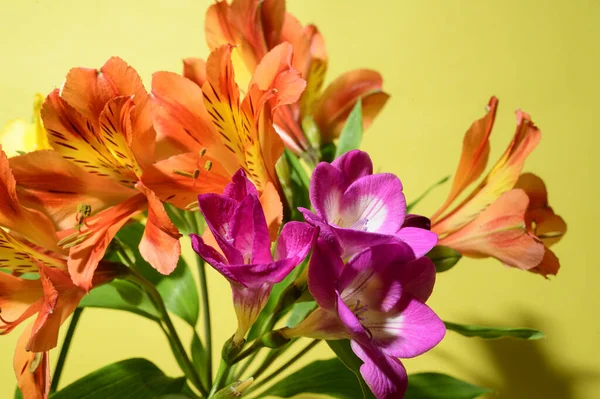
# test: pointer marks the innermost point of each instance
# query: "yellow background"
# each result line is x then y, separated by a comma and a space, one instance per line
441, 61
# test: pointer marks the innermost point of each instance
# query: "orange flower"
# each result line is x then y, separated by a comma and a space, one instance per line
497, 217
258, 26
100, 127
213, 128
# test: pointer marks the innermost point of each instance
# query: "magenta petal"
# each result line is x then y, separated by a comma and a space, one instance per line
417, 277
218, 212
324, 269
325, 231
420, 240
250, 232
414, 329
257, 274
385, 375
351, 322
353, 241
295, 241
213, 258
354, 165
373, 203
240, 187
326, 190
370, 263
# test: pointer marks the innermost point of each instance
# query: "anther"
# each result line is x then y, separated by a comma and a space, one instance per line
208, 165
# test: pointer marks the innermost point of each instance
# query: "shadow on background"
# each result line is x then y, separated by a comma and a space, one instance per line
526, 370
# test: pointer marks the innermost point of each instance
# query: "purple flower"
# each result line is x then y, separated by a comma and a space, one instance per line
237, 222
357, 209
377, 300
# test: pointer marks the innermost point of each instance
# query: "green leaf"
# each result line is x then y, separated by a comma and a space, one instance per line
344, 352
420, 197
444, 258
352, 132
494, 332
18, 394
328, 152
199, 358
299, 312
127, 379
178, 289
121, 295
440, 386
295, 183
325, 377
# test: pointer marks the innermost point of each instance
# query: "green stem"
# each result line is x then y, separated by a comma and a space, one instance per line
205, 315
283, 368
186, 364
254, 348
64, 350
222, 374
245, 366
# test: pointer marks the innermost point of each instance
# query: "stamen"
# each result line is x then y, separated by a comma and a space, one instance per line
551, 234
360, 225
73, 239
83, 212
202, 152
193, 175
208, 165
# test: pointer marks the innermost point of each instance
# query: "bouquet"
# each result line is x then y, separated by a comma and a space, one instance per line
266, 179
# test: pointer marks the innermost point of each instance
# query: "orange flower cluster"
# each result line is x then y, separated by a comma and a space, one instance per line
119, 151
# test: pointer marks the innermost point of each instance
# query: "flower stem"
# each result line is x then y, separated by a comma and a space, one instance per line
283, 368
222, 374
205, 315
186, 364
64, 350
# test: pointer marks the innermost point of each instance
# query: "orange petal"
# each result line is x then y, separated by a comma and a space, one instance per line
286, 125
500, 179
217, 27
160, 243
474, 156
245, 16
500, 231
17, 256
276, 79
338, 99
98, 232
31, 369
117, 133
166, 180
179, 115
549, 265
19, 300
545, 224
76, 139
293, 32
195, 70
55, 186
271, 204
30, 223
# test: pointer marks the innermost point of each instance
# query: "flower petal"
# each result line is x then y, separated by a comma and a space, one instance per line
31, 369
240, 187
500, 231
295, 241
474, 156
549, 265
326, 190
324, 269
420, 240
29, 222
159, 245
218, 212
56, 186
373, 203
409, 330
250, 232
385, 375
354, 165
338, 99
195, 70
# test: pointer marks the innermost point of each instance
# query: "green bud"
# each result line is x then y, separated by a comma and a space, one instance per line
444, 258
274, 339
231, 349
234, 390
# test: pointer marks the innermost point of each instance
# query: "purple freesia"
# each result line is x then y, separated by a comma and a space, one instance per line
377, 300
356, 209
237, 222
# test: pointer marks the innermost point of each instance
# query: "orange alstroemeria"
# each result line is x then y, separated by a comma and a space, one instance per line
214, 132
257, 26
500, 217
100, 127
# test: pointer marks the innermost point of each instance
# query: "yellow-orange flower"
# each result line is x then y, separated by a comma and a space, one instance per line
20, 136
499, 217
